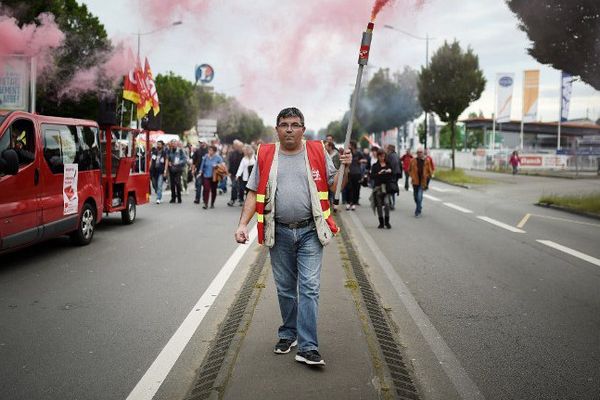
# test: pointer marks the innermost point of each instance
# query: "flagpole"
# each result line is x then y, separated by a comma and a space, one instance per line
494, 114
560, 110
523, 111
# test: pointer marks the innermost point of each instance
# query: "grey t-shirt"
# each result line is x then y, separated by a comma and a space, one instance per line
292, 197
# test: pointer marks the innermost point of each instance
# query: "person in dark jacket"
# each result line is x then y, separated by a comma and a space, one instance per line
354, 176
233, 160
176, 161
394, 161
382, 174
196, 161
157, 169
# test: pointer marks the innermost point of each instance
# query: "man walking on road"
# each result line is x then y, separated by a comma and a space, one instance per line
288, 190
394, 161
157, 169
234, 159
420, 172
176, 161
406, 159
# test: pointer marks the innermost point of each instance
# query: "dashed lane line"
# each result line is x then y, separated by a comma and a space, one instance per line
147, 387
437, 189
574, 253
458, 208
430, 197
500, 224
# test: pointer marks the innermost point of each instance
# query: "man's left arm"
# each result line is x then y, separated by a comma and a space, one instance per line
346, 160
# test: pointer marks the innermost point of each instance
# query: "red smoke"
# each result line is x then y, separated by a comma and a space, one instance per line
165, 12
379, 4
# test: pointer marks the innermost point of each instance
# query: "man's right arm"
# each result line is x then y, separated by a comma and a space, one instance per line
241, 234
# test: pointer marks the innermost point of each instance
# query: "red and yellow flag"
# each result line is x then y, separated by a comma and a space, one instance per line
151, 88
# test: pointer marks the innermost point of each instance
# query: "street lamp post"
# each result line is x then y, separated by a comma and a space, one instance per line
426, 39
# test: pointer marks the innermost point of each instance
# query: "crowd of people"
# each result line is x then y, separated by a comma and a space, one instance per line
217, 169
210, 166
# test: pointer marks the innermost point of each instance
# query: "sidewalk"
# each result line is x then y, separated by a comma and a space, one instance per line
349, 374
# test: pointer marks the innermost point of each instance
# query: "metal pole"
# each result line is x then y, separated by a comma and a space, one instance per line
33, 83
426, 66
363, 60
338, 188
560, 111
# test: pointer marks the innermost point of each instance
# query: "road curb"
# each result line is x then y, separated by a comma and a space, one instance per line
568, 210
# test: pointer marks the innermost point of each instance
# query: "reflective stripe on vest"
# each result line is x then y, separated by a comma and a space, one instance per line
265, 154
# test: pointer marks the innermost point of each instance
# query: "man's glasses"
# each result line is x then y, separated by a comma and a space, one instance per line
294, 126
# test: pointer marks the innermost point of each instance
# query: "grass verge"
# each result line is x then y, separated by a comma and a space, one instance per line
589, 203
459, 177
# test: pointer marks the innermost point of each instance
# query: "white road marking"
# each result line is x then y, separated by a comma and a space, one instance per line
459, 208
575, 253
430, 197
500, 224
464, 385
147, 387
437, 189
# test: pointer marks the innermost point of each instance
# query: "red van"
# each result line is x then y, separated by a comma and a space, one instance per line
50, 179
58, 175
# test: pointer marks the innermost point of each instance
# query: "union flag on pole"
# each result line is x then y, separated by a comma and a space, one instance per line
151, 88
135, 89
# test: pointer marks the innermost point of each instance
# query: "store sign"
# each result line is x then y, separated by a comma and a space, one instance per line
14, 84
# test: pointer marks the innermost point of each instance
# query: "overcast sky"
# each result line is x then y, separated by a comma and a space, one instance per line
276, 53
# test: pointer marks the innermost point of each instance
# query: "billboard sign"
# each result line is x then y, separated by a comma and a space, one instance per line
14, 83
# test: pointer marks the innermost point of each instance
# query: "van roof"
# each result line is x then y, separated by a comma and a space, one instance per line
50, 119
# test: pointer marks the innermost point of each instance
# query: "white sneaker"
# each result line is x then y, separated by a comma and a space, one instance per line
157, 201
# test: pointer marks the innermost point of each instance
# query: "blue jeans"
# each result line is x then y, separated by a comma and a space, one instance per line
418, 195
296, 261
198, 184
159, 186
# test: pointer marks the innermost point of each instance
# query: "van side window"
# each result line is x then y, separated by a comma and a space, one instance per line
20, 136
88, 151
60, 146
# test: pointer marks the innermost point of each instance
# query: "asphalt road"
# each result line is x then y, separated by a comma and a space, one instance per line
522, 318
87, 322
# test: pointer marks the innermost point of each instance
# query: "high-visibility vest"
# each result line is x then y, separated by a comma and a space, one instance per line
316, 158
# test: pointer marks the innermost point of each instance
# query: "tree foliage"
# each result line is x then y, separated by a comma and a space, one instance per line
178, 103
234, 121
86, 44
564, 34
388, 102
451, 82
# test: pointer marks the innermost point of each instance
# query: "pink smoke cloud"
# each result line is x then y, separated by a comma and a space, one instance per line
161, 12
31, 39
116, 64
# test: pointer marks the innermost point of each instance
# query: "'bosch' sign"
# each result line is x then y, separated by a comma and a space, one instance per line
506, 81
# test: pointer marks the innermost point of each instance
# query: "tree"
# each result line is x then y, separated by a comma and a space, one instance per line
451, 82
178, 103
86, 44
564, 34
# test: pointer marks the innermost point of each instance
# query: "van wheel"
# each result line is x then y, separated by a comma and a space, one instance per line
129, 213
87, 225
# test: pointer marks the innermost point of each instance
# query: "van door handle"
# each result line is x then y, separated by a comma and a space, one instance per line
36, 177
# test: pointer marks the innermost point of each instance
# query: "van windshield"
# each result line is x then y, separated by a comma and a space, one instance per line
2, 117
